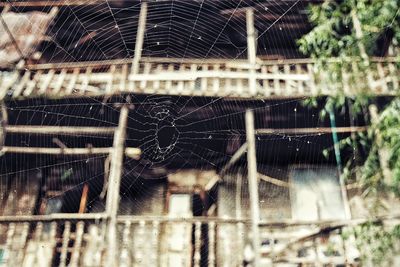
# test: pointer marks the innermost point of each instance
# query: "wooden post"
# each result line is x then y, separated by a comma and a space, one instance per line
363, 52
112, 201
251, 50
139, 38
253, 185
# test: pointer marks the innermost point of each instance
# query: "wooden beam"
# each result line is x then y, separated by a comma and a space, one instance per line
317, 130
56, 151
251, 50
237, 63
273, 181
114, 181
192, 76
131, 151
62, 130
52, 3
53, 217
253, 185
384, 153
139, 38
238, 154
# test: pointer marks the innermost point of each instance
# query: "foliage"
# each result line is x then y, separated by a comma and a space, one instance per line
376, 241
343, 62
346, 34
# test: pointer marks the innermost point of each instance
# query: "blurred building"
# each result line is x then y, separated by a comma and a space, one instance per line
170, 133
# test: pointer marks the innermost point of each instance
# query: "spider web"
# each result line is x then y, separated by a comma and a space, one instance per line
199, 129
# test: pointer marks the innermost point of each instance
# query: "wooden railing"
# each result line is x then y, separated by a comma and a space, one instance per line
144, 241
191, 77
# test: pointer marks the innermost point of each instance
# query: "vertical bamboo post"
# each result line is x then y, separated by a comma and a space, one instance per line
251, 50
383, 152
139, 38
253, 185
112, 201
336, 148
361, 47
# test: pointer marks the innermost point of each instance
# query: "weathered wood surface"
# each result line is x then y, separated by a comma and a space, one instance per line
82, 242
219, 78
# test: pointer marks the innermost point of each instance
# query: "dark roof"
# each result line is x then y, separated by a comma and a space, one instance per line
102, 30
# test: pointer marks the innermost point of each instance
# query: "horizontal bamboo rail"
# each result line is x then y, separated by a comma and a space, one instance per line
61, 130
191, 77
130, 151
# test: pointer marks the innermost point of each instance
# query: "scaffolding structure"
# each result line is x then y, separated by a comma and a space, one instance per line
110, 239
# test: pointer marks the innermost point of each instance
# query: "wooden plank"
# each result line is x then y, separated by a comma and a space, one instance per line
228, 85
55, 3
181, 84
253, 186
124, 78
32, 83
211, 244
62, 130
139, 38
229, 63
146, 71
169, 73
85, 80
65, 244
384, 153
132, 152
205, 74
112, 201
157, 84
76, 251
265, 82
203, 81
288, 88
72, 81
22, 84
361, 47
47, 80
216, 81
197, 244
316, 130
110, 82
22, 243
155, 243
238, 154
192, 83
53, 217
277, 86
239, 85
251, 50
56, 151
60, 81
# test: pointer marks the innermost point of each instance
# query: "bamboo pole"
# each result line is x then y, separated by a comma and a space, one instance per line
139, 38
251, 50
316, 130
238, 154
112, 202
62, 130
130, 151
56, 151
253, 185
